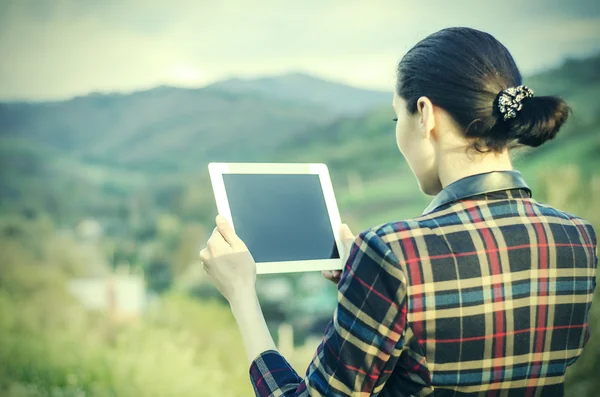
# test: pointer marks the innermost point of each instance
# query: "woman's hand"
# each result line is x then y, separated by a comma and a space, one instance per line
347, 239
228, 262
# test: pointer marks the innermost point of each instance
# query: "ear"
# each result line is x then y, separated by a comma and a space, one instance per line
426, 117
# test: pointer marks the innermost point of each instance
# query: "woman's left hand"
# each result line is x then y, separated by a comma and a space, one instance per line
228, 262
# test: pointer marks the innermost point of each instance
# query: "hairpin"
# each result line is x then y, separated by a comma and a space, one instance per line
510, 100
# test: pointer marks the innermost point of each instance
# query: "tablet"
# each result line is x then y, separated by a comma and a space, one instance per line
286, 214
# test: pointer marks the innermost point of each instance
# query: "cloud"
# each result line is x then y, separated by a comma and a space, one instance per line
73, 47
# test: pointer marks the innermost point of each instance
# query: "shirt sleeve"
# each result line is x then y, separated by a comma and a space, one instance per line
362, 342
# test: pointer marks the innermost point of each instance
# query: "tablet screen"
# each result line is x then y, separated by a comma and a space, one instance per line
281, 217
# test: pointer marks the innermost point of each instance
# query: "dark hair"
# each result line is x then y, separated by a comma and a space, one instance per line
462, 70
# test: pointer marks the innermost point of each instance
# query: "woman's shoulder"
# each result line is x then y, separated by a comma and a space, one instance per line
449, 219
402, 229
551, 211
425, 223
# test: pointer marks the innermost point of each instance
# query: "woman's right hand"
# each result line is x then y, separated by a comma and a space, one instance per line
347, 239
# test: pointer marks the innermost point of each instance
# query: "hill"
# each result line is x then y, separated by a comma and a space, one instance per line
164, 129
303, 88
169, 129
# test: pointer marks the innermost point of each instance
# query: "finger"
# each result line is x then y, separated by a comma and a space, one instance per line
216, 242
346, 233
227, 232
212, 234
329, 276
212, 244
205, 256
346, 236
335, 276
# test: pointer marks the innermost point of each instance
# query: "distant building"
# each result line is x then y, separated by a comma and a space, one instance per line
123, 297
89, 229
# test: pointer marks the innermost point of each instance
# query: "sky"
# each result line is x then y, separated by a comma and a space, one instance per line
57, 49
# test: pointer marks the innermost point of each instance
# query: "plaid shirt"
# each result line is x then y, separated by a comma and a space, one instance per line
485, 294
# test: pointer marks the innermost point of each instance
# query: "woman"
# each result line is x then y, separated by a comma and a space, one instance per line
486, 293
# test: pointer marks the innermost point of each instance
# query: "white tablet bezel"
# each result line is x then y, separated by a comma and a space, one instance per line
216, 171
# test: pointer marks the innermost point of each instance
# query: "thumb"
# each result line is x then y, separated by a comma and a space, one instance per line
226, 230
346, 236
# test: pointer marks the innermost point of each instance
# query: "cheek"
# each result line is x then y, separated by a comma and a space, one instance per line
403, 137
418, 152
408, 142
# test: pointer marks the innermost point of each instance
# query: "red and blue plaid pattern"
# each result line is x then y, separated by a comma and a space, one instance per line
484, 296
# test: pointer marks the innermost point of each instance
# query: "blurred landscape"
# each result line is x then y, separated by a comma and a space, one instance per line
105, 202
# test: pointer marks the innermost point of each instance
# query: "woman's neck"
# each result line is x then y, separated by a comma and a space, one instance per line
457, 165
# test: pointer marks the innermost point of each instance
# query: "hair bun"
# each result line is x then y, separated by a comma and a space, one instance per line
538, 120
469, 91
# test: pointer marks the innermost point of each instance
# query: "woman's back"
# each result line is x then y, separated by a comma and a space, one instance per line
487, 293
499, 288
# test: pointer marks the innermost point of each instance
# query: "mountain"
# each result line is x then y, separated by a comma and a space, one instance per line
304, 88
170, 129
93, 155
161, 129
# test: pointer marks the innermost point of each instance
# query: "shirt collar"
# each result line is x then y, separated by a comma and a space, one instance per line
478, 184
